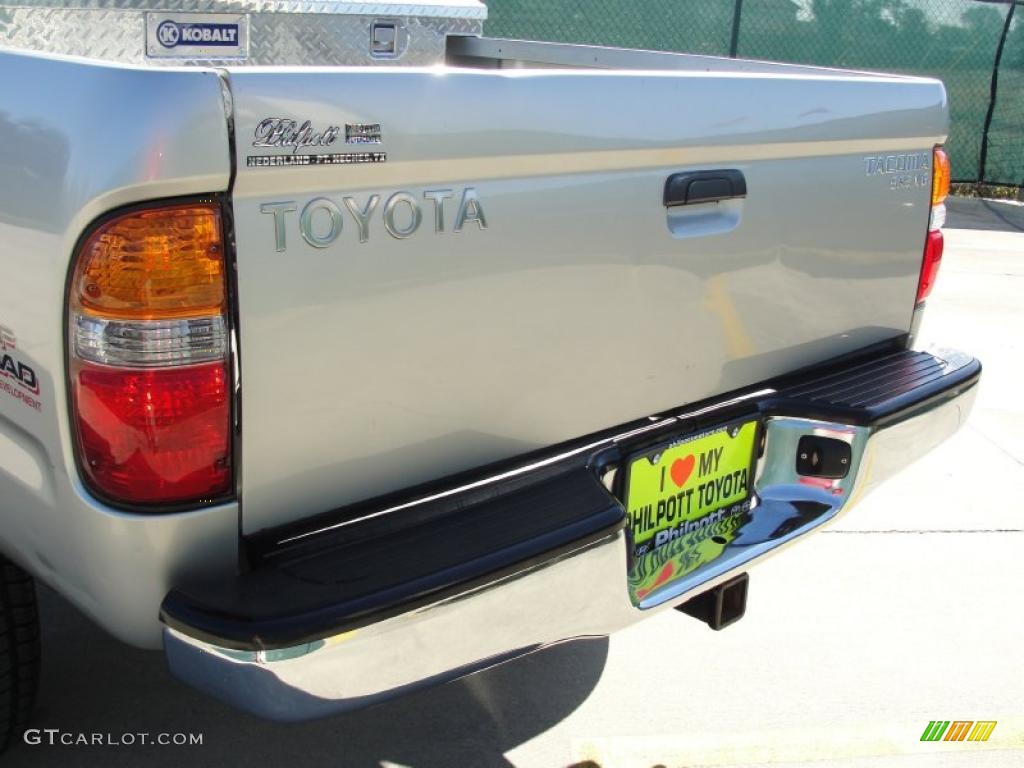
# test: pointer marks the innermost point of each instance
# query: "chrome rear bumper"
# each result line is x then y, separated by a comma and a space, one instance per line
581, 592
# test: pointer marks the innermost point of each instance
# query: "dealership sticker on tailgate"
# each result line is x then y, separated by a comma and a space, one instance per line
688, 486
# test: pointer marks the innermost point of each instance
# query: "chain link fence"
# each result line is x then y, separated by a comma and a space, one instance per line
975, 46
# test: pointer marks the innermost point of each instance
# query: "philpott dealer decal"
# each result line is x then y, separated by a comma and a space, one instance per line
196, 35
303, 143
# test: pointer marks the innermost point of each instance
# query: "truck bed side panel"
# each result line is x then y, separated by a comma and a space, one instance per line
78, 139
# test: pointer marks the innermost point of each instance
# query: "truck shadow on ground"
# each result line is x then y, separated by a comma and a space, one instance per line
93, 684
993, 215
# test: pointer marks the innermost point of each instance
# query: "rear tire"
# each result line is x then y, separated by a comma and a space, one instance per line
19, 651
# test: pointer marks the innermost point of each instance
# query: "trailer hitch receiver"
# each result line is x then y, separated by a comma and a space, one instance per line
720, 606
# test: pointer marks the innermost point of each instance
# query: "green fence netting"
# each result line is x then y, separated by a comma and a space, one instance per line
955, 40
1004, 156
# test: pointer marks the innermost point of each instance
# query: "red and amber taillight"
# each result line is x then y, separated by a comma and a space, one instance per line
934, 243
148, 348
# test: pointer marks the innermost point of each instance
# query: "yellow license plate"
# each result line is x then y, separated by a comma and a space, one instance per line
689, 485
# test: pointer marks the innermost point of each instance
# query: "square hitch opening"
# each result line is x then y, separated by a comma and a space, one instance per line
720, 606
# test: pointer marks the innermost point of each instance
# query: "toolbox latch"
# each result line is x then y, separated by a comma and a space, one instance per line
384, 39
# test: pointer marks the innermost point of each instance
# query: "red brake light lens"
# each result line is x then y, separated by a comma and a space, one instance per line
934, 243
933, 248
154, 436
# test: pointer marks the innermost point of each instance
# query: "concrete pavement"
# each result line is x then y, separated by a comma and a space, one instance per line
908, 611
991, 215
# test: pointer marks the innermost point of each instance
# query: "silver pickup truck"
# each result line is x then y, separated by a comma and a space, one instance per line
345, 350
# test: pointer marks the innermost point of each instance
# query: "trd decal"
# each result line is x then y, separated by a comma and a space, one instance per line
17, 378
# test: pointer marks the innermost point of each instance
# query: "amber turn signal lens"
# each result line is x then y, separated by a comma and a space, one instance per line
940, 175
156, 263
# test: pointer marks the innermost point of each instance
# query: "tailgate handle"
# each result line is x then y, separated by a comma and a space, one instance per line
692, 187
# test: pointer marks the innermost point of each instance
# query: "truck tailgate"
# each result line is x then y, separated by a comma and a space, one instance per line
501, 272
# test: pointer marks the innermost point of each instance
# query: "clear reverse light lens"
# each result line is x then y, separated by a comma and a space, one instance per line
938, 219
150, 343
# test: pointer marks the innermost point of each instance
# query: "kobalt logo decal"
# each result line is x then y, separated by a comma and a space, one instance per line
322, 220
196, 35
171, 34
